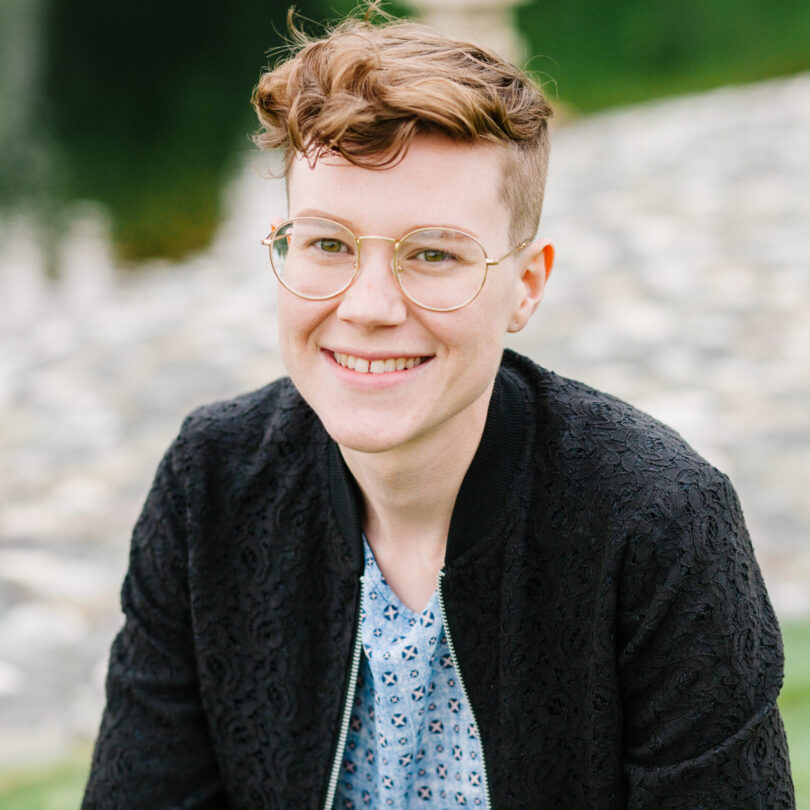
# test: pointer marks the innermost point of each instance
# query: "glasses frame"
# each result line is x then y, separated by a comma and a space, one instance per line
395, 266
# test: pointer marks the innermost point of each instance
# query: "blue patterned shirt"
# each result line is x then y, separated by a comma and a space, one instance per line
412, 739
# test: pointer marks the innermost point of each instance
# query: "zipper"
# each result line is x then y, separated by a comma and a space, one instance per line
451, 647
334, 771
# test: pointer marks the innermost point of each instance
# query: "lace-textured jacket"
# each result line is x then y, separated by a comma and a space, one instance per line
609, 619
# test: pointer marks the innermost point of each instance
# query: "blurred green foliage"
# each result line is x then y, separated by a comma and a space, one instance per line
145, 107
602, 53
147, 102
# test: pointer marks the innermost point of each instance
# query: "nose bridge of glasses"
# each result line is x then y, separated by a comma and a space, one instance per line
361, 239
372, 236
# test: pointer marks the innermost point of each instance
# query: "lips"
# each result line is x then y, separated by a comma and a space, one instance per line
378, 365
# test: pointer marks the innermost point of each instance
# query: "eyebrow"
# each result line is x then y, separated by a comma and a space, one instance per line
316, 212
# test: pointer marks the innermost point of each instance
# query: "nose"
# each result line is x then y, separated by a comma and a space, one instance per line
374, 298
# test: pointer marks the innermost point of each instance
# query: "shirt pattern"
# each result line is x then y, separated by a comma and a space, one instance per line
412, 740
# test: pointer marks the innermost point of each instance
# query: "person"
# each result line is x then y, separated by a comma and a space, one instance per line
423, 571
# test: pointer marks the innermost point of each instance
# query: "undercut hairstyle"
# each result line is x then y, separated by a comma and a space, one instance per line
365, 90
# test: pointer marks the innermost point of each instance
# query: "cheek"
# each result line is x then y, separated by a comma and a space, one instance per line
293, 332
510, 295
487, 337
496, 313
285, 329
475, 336
297, 320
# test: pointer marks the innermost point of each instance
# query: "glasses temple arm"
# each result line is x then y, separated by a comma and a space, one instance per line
516, 249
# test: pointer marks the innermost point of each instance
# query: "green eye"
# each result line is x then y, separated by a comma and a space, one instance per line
432, 256
330, 245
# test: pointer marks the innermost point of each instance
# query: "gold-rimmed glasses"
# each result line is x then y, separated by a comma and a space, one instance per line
440, 269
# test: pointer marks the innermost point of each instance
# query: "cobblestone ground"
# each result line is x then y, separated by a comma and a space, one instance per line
682, 284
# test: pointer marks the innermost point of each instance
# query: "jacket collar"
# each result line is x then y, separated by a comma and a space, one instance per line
484, 491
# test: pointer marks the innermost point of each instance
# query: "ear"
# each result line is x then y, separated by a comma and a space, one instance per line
537, 262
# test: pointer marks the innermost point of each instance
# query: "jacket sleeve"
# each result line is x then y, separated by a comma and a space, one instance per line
700, 660
153, 749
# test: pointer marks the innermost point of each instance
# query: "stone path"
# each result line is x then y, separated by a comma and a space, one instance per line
682, 284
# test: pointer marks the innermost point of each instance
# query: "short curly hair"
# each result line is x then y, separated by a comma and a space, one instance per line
365, 90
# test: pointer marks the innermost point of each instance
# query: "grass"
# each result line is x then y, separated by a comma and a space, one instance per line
794, 703
60, 787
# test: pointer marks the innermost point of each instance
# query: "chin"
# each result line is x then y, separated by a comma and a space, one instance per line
361, 438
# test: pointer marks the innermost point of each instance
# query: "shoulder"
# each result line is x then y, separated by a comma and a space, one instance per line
276, 412
247, 432
578, 419
622, 496
602, 450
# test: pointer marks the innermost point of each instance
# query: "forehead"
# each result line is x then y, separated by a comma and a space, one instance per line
437, 182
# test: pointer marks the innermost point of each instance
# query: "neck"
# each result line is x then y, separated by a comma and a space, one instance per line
409, 491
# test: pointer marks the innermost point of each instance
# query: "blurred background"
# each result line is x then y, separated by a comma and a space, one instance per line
133, 286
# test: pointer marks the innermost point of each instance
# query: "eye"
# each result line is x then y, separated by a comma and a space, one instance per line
333, 246
433, 256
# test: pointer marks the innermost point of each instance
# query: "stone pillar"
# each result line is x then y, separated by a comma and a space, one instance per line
489, 22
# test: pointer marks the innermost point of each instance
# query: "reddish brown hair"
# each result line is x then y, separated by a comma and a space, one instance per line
365, 91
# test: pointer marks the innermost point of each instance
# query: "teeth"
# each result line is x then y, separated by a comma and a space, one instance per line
376, 366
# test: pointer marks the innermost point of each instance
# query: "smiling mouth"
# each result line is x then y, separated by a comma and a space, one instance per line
380, 366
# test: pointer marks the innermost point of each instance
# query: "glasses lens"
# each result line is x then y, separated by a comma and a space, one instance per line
313, 258
441, 268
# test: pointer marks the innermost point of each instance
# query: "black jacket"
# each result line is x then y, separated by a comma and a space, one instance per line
609, 617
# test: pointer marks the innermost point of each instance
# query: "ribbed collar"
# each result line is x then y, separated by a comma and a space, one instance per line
483, 494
